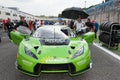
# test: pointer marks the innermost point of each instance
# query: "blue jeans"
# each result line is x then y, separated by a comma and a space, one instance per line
9, 33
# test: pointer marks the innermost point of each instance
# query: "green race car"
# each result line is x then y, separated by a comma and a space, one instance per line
53, 49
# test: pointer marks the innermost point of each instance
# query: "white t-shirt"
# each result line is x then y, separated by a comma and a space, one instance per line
79, 25
37, 24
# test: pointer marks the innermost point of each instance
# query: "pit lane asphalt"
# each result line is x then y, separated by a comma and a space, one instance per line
105, 67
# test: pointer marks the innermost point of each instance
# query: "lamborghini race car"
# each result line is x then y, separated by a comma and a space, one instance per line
53, 49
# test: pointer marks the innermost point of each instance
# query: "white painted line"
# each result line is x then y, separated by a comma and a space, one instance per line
107, 51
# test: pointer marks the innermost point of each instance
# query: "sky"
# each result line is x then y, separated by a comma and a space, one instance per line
47, 7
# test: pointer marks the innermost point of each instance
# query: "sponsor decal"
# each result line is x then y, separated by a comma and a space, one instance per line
46, 58
27, 63
56, 60
55, 40
49, 59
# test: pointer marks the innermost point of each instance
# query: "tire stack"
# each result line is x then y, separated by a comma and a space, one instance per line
110, 33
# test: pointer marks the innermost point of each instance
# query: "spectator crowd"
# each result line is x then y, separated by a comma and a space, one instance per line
7, 25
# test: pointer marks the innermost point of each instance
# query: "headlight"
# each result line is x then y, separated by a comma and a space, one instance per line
78, 53
28, 52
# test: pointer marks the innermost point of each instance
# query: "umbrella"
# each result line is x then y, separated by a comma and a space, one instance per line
73, 13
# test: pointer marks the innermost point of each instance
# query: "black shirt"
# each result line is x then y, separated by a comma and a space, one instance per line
21, 23
89, 24
71, 24
9, 25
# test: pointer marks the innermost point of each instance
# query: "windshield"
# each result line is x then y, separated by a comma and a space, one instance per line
51, 36
49, 33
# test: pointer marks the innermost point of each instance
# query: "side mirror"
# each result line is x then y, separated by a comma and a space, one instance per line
24, 30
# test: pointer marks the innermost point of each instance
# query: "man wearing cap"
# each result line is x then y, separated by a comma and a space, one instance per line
22, 22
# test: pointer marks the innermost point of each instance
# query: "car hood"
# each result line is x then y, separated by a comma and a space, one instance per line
53, 53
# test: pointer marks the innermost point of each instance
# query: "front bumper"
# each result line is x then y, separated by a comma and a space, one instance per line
54, 68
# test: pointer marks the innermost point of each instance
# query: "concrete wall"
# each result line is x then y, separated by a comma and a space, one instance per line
111, 13
113, 16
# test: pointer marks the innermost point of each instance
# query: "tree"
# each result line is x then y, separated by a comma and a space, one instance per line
59, 15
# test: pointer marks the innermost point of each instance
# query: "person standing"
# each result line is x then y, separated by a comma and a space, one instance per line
41, 22
22, 22
37, 25
71, 23
78, 24
31, 25
10, 26
96, 27
89, 24
58, 22
34, 24
4, 22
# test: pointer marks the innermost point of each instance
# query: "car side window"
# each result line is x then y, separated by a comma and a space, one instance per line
65, 31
